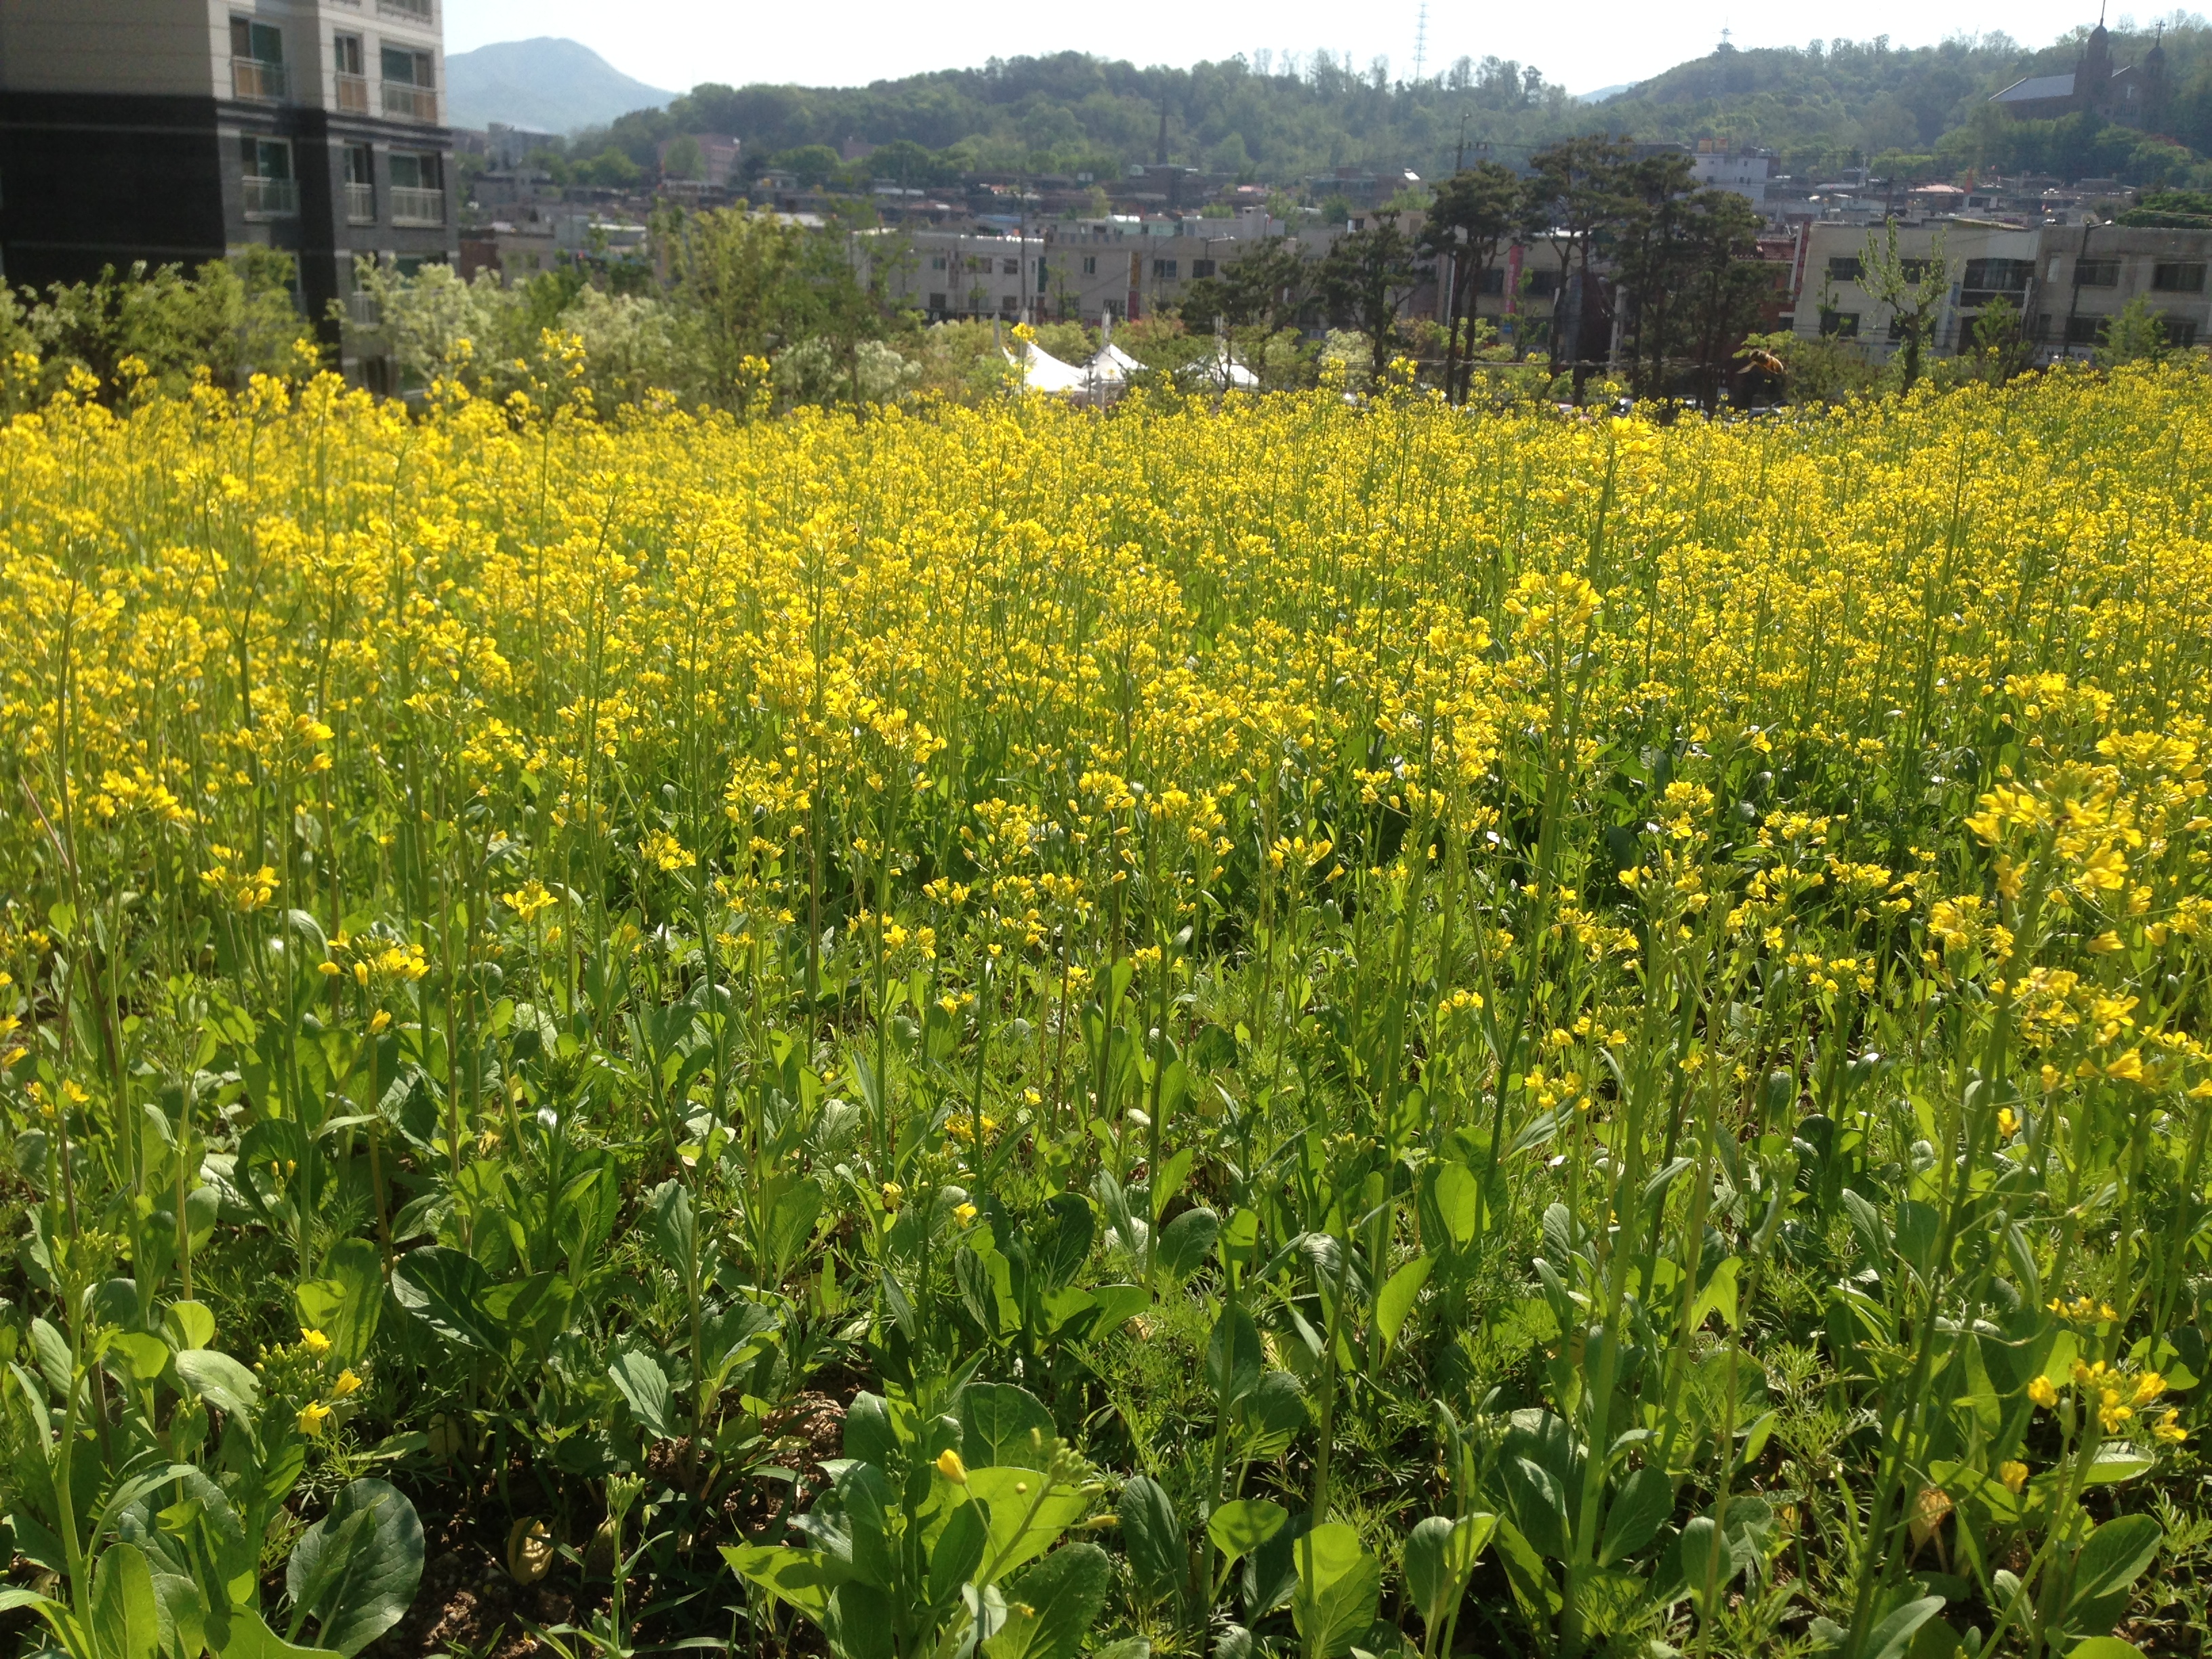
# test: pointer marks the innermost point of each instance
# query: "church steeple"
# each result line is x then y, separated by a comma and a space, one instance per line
2093, 80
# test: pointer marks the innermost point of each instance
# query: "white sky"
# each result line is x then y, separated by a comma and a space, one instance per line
678, 43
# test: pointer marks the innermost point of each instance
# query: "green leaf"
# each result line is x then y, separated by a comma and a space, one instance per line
1158, 1557
1022, 1529
2104, 1647
1052, 1607
440, 1286
1338, 1589
2116, 1461
996, 1422
1440, 1558
221, 1381
1242, 1525
355, 1572
188, 1325
1234, 1356
126, 1615
2115, 1555
802, 1579
1187, 1241
641, 1381
1396, 1300
860, 1623
1117, 1303
1720, 1292
670, 1223
958, 1552
1540, 1506
247, 1637
184, 1615
147, 1356
1893, 1635
1459, 1201
1640, 1506
1063, 1245
346, 1302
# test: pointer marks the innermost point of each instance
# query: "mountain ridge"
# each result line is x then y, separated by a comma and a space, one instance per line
547, 81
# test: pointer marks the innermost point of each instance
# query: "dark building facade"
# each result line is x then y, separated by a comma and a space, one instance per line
172, 131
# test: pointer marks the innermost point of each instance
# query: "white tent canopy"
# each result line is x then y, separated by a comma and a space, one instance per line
1042, 372
1111, 366
1222, 371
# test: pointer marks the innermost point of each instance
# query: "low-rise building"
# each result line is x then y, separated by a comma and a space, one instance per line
2066, 281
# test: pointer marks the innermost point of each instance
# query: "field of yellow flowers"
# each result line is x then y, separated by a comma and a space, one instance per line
1301, 1031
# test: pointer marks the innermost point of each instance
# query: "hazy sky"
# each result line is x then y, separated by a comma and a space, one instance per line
678, 43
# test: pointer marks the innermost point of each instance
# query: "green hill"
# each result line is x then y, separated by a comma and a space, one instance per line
1827, 105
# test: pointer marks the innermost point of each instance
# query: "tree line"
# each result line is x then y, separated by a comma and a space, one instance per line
1656, 280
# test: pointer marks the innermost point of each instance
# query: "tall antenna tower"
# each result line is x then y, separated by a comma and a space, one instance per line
1421, 41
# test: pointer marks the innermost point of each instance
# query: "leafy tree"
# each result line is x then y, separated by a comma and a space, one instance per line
233, 317
1911, 290
1578, 189
1474, 211
2136, 334
1268, 286
1366, 279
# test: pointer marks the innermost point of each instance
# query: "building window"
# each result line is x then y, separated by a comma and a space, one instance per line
361, 185
2178, 278
265, 166
937, 302
409, 93
418, 187
1163, 270
937, 262
1201, 268
352, 77
1090, 265
2096, 273
1914, 270
2084, 330
1840, 325
1844, 268
1491, 281
1010, 303
1999, 276
257, 60
1010, 267
1543, 284
974, 264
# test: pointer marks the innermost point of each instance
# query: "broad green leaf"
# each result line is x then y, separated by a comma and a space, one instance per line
2104, 1647
355, 1572
188, 1324
1022, 1528
670, 1223
2115, 1555
803, 1578
1640, 1506
1187, 1241
860, 1623
440, 1287
1440, 1556
1242, 1525
216, 1378
147, 1356
126, 1615
247, 1637
957, 1555
1459, 1201
997, 1421
1051, 1607
1234, 1356
1540, 1506
641, 1381
345, 1303
1891, 1638
2116, 1461
1158, 1558
1338, 1589
1396, 1302
1719, 1294
184, 1615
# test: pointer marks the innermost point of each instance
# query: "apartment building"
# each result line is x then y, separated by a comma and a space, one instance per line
1082, 269
174, 130
2067, 281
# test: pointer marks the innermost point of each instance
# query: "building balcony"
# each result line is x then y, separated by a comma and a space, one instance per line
413, 206
361, 204
361, 310
269, 198
417, 10
353, 94
250, 78
403, 102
